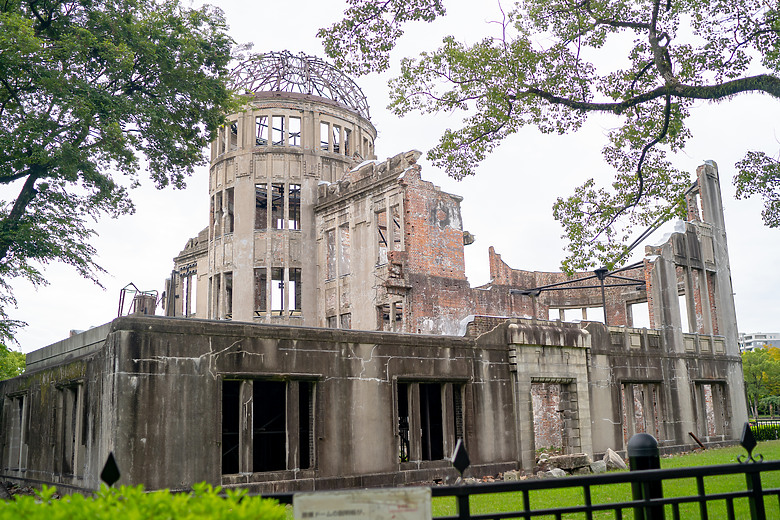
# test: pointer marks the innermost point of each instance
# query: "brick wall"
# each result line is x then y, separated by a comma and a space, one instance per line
548, 415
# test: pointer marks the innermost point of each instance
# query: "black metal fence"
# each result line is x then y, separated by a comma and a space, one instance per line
751, 500
733, 491
536, 498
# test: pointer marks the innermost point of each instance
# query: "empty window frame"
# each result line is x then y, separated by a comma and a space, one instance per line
395, 229
217, 214
210, 299
261, 206
346, 320
344, 251
232, 136
269, 419
15, 449
430, 419
294, 203
347, 141
261, 290
278, 305
381, 229
228, 295
277, 206
294, 296
70, 417
294, 131
231, 427
261, 130
277, 130
332, 322
306, 424
218, 294
256, 432
229, 208
324, 136
336, 139
221, 141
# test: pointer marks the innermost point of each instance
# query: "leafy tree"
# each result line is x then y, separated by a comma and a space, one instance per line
87, 89
552, 63
761, 371
12, 363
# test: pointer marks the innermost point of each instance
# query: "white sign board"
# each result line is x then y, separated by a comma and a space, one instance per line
374, 504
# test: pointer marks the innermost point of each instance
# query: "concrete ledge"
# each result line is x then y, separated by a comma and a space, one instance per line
73, 347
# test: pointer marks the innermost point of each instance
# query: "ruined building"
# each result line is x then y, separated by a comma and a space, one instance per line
321, 332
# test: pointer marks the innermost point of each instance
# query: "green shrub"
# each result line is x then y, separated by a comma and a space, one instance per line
132, 503
766, 432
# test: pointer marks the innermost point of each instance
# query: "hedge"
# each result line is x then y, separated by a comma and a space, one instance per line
133, 503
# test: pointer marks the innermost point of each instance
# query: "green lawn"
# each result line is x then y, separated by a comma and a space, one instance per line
506, 502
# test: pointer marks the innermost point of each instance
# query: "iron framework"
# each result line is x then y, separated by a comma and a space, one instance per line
301, 74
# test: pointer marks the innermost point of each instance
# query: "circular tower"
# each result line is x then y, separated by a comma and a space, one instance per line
304, 122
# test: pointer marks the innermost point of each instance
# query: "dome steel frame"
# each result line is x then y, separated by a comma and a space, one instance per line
301, 74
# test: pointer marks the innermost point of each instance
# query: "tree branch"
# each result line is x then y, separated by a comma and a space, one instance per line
762, 83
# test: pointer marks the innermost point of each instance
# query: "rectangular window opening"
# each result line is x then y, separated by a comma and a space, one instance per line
431, 421
269, 419
233, 136
277, 291
346, 320
383, 317
324, 136
295, 131
294, 196
261, 206
277, 206
231, 425
347, 141
305, 424
228, 296
260, 290
218, 293
16, 447
332, 322
261, 130
295, 291
217, 214
381, 224
336, 139
396, 228
229, 208
397, 309
277, 130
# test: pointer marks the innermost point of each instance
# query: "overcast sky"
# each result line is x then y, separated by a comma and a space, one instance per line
506, 205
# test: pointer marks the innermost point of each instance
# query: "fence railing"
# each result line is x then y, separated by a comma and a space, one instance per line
736, 491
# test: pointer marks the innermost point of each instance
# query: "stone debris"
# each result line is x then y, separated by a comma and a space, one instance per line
598, 466
613, 460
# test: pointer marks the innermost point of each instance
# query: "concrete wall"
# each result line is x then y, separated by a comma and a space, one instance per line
157, 393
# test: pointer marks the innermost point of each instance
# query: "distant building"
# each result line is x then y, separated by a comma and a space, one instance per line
752, 340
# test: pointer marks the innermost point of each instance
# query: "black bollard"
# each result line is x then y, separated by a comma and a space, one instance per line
643, 454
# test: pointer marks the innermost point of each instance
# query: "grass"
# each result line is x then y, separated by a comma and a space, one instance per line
506, 502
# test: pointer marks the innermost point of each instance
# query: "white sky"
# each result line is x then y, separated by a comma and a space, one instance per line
507, 204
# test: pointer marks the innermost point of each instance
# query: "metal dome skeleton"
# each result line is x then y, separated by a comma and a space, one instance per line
302, 74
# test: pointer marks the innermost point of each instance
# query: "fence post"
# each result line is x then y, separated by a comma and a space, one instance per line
643, 454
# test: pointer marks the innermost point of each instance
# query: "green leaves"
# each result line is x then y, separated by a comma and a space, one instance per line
370, 29
87, 88
759, 174
204, 501
553, 63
